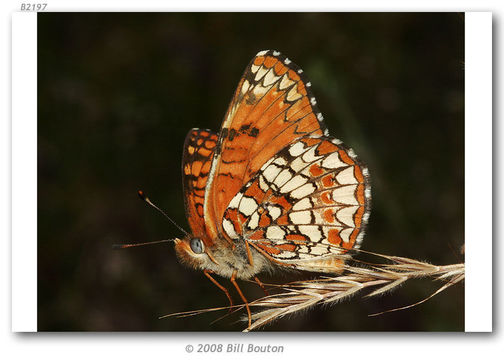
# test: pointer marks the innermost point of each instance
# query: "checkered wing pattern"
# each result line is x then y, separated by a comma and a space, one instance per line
308, 202
273, 177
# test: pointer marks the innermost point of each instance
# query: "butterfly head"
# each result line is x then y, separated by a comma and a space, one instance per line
202, 254
192, 251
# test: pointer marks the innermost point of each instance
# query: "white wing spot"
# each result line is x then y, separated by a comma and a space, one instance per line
260, 73
280, 161
333, 162
260, 90
261, 53
293, 183
310, 156
276, 53
303, 191
300, 217
319, 250
274, 212
302, 205
312, 231
367, 193
313, 101
285, 82
293, 94
287, 61
283, 177
254, 221
235, 201
346, 215
320, 117
345, 234
245, 86
345, 195
247, 206
347, 176
298, 164
271, 172
352, 154
297, 149
229, 228
270, 78
262, 184
275, 232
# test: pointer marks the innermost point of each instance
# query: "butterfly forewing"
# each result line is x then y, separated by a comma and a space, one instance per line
271, 107
199, 148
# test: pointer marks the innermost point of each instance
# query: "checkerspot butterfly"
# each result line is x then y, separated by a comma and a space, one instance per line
272, 188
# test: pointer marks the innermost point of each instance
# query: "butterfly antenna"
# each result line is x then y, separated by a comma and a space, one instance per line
124, 246
148, 201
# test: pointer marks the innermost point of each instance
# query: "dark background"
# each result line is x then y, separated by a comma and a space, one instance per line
117, 94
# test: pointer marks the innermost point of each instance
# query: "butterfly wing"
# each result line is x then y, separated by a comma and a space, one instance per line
309, 202
199, 148
271, 107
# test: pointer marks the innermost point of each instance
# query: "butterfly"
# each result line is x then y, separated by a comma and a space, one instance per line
272, 189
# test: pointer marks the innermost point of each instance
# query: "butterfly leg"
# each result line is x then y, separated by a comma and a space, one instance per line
207, 274
249, 254
259, 282
233, 281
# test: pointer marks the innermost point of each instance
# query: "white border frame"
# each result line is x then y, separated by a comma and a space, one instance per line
478, 172
24, 172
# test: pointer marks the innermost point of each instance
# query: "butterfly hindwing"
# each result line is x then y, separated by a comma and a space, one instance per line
310, 200
272, 106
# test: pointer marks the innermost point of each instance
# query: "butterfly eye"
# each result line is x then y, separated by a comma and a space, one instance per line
197, 245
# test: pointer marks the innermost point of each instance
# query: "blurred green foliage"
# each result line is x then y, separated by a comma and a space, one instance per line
117, 93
